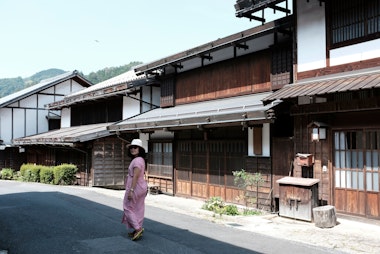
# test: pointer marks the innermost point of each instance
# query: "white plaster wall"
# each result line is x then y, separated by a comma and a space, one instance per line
146, 97
42, 121
63, 88
156, 96
358, 52
311, 35
67, 87
265, 141
66, 117
144, 138
75, 87
44, 99
19, 123
29, 102
6, 125
131, 107
31, 126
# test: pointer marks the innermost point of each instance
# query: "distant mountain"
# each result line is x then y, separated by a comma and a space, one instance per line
11, 85
36, 78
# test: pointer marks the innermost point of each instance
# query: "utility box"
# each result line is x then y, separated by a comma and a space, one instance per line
298, 197
304, 159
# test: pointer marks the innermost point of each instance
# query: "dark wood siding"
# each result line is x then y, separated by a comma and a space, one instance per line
12, 158
243, 75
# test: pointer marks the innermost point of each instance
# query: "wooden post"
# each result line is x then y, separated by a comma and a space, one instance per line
324, 216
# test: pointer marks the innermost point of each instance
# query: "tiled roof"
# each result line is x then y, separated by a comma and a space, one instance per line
221, 111
346, 81
66, 136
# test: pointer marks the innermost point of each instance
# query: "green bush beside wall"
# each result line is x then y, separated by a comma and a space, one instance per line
47, 174
7, 174
63, 174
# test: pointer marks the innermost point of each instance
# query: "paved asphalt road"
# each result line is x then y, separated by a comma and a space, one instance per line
39, 218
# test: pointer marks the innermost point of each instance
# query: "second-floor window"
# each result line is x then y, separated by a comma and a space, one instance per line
106, 111
353, 21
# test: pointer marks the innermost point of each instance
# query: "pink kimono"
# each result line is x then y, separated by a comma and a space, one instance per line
134, 209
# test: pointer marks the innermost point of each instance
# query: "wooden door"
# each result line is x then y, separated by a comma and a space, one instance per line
356, 172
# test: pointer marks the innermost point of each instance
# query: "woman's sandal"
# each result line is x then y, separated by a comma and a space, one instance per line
137, 234
130, 234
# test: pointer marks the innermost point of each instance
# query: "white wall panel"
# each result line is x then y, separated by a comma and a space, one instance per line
63, 88
131, 107
19, 124
44, 99
75, 87
49, 90
42, 121
266, 139
354, 53
29, 102
6, 125
156, 96
31, 122
311, 35
66, 117
13, 105
146, 97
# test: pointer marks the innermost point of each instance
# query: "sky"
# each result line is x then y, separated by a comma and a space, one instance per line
90, 35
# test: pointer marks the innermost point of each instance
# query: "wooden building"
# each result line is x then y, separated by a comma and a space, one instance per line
211, 119
84, 139
23, 113
334, 101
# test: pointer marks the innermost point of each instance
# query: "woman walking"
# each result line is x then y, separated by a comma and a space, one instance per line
135, 190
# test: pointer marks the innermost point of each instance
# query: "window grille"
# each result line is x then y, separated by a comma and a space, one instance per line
354, 21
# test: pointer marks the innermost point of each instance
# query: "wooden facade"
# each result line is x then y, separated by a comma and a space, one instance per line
245, 75
204, 153
350, 155
109, 162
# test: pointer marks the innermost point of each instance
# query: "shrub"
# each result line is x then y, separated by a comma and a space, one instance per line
214, 204
46, 174
6, 174
35, 173
217, 205
65, 174
30, 172
26, 172
231, 210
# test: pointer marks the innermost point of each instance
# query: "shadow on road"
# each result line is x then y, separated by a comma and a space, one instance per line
57, 222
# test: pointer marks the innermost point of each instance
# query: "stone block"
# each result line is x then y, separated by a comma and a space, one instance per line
324, 216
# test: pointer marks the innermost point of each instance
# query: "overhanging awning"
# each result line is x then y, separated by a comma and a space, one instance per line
342, 82
239, 110
66, 136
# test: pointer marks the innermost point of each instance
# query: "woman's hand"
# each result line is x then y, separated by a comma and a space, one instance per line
130, 195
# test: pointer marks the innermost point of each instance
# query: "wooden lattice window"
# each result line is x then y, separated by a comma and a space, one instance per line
281, 69
167, 93
352, 21
161, 159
